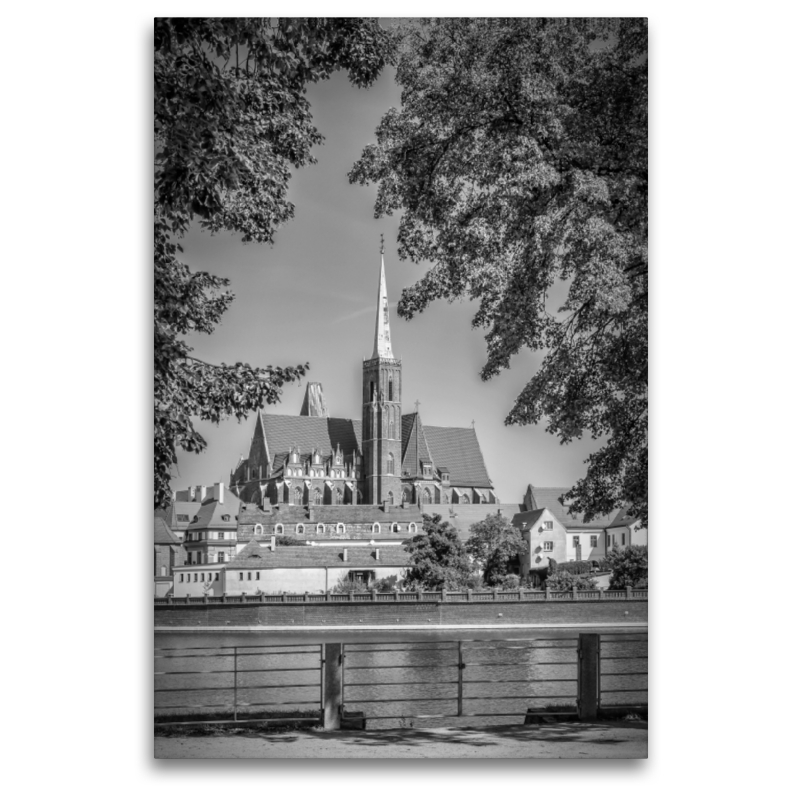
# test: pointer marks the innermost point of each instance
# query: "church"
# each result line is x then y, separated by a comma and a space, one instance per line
387, 460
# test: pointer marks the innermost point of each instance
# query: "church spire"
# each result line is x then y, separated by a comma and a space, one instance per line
383, 339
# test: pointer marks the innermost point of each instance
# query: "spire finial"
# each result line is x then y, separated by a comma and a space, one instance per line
382, 244
383, 340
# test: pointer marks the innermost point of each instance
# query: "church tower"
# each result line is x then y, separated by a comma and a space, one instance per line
381, 423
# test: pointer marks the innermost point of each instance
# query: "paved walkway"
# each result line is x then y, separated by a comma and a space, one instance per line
557, 740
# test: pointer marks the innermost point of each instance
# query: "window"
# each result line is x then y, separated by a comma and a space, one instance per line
300, 529
226, 517
340, 527
183, 517
390, 465
593, 541
623, 540
317, 497
337, 498
548, 524
395, 528
391, 389
576, 542
426, 496
361, 576
547, 546
181, 577
294, 458
216, 577
258, 530
249, 576
298, 496
608, 540
220, 535
220, 558
320, 529
412, 528
464, 498
241, 576
258, 576
195, 577
406, 494
279, 529
390, 498
376, 527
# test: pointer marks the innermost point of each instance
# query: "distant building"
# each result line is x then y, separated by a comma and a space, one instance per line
386, 458
211, 535
167, 556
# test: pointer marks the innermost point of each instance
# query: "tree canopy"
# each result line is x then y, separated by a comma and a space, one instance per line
519, 162
628, 567
231, 120
494, 545
439, 559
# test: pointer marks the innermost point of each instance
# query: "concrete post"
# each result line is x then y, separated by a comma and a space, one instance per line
629, 592
332, 688
588, 675
546, 592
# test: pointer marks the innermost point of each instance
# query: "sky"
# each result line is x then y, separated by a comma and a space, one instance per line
311, 298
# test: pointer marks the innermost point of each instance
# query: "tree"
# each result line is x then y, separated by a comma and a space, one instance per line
494, 544
519, 162
628, 567
231, 119
439, 559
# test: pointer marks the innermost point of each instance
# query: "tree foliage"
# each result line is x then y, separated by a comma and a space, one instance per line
563, 581
438, 557
231, 120
519, 162
494, 545
628, 567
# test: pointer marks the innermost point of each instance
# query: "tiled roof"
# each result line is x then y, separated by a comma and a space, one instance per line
525, 520
258, 556
622, 518
323, 433
162, 533
415, 446
459, 451
547, 497
211, 513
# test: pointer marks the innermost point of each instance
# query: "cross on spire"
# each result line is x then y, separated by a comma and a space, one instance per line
417, 404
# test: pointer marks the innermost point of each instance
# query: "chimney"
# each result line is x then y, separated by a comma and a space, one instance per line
344, 554
219, 492
272, 543
199, 494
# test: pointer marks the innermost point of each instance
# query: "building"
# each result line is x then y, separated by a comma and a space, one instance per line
385, 458
270, 569
552, 531
183, 509
167, 556
211, 534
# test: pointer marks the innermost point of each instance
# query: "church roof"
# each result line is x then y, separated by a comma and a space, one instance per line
458, 450
324, 433
415, 446
259, 556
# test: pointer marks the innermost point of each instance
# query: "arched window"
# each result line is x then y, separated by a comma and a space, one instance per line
464, 498
390, 465
426, 495
279, 529
258, 530
412, 528
391, 388
317, 496
395, 527
407, 494
337, 498
320, 529
376, 527
298, 495
390, 498
294, 458
300, 529
340, 528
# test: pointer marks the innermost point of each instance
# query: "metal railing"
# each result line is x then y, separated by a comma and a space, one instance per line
581, 675
515, 595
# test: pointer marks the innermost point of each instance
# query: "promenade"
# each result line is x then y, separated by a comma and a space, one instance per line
605, 740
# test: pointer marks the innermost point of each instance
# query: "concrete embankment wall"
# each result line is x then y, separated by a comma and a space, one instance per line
369, 614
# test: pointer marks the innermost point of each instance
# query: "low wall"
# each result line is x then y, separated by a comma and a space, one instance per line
367, 613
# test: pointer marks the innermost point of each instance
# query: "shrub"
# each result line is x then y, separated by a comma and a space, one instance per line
628, 567
345, 585
385, 584
563, 581
510, 582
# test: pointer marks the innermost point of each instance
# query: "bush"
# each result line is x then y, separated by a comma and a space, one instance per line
563, 581
344, 586
628, 567
385, 584
510, 582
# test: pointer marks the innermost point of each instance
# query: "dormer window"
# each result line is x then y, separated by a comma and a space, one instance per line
300, 529
279, 529
395, 527
376, 527
226, 517
258, 530
412, 528
320, 529
340, 527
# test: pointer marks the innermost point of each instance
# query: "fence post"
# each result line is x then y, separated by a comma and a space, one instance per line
460, 680
588, 675
546, 592
332, 694
374, 594
629, 592
235, 683
574, 592
469, 595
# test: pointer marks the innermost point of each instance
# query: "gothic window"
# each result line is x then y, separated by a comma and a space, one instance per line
337, 498
391, 389
426, 496
279, 529
406, 494
390, 498
464, 498
320, 529
395, 527
412, 528
376, 527
390, 465
372, 390
340, 527
300, 529
258, 530
298, 496
317, 497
